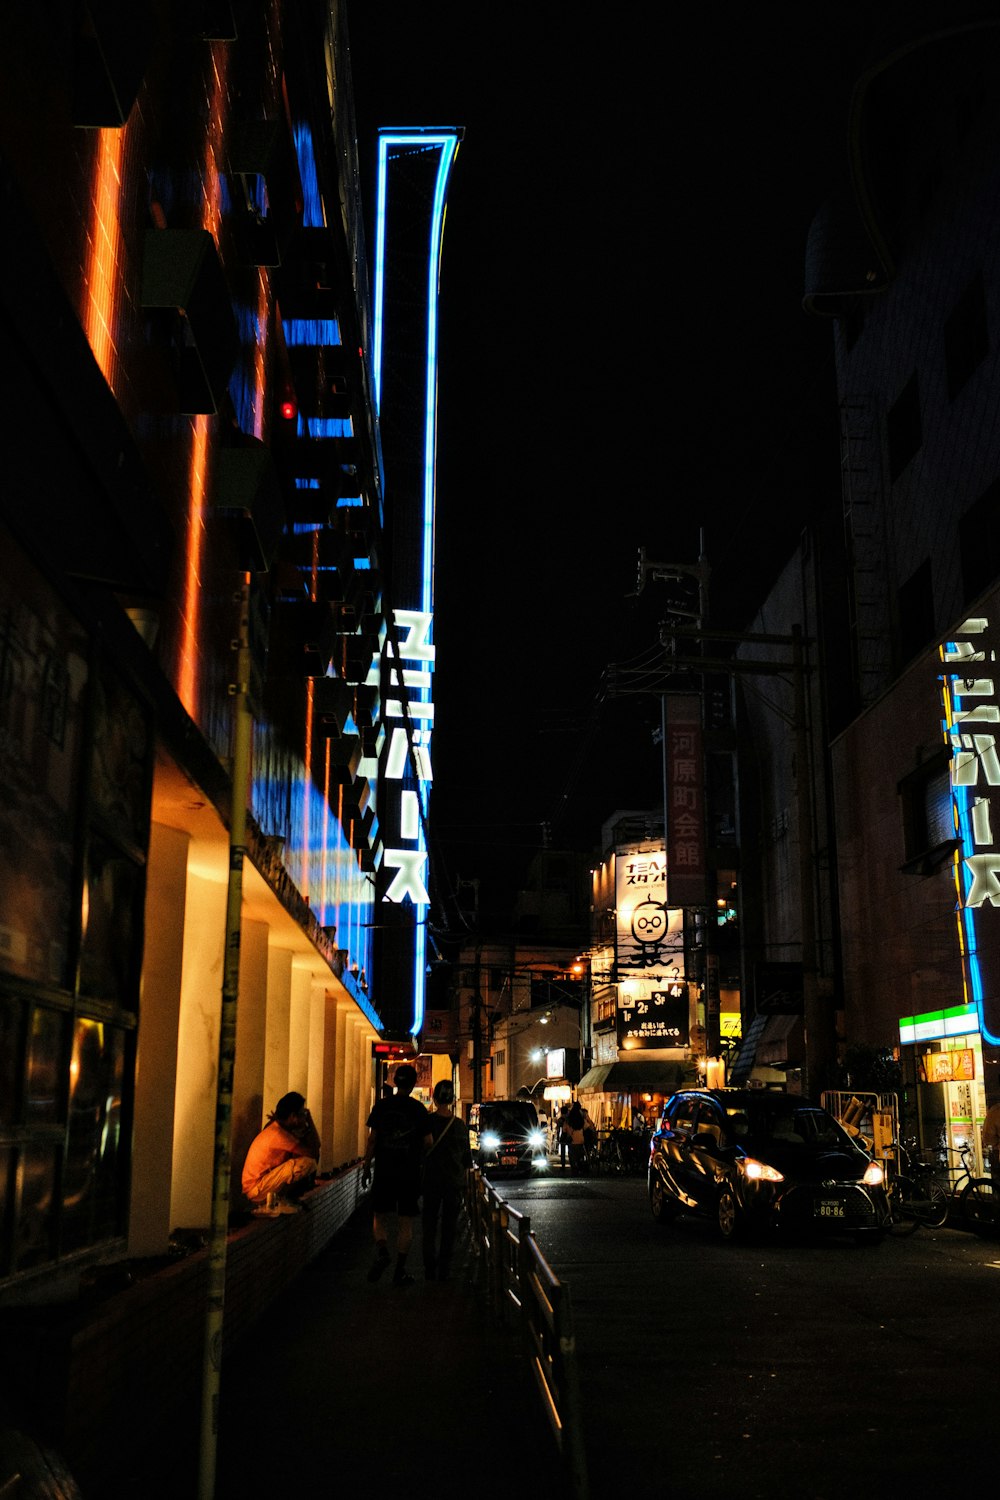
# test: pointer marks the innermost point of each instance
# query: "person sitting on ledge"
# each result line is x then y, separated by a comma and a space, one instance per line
283, 1158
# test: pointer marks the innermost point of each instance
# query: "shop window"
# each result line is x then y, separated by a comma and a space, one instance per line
11, 1051
35, 1237
928, 817
70, 963
45, 1068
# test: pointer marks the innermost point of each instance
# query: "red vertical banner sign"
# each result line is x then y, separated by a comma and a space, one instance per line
684, 801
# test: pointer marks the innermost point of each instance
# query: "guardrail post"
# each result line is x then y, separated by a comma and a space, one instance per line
573, 1450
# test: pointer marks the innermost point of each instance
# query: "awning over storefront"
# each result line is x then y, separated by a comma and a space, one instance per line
781, 1042
770, 1042
633, 1078
740, 1070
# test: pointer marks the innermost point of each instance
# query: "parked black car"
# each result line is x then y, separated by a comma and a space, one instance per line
506, 1136
753, 1160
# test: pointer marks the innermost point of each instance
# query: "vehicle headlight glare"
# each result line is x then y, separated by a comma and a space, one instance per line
874, 1175
536, 1139
489, 1140
759, 1171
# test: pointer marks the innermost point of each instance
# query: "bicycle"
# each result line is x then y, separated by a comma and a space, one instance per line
914, 1195
619, 1153
978, 1203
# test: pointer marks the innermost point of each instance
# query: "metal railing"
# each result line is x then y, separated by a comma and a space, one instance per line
526, 1295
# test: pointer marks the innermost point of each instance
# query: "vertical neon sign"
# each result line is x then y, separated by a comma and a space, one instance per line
970, 725
410, 715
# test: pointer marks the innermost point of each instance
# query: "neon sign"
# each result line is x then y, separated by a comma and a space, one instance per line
408, 699
970, 725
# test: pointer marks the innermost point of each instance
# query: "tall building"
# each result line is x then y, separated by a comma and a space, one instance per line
199, 630
897, 598
650, 1001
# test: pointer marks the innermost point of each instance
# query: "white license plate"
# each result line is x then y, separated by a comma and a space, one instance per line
828, 1208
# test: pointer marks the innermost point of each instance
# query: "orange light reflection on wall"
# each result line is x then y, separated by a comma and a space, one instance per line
211, 219
187, 674
102, 272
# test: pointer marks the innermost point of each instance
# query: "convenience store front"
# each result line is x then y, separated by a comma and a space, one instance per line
941, 1053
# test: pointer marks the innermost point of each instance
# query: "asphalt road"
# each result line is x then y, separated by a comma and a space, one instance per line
796, 1372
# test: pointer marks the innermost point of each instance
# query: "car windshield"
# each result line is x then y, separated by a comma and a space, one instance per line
508, 1119
782, 1119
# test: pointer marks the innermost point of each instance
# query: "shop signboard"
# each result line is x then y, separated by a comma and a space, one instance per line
684, 795
947, 1067
649, 934
654, 1012
440, 1033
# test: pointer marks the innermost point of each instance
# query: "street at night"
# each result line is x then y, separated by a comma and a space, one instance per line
499, 623
805, 1371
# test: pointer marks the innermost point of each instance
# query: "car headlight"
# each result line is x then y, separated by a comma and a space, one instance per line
536, 1139
759, 1171
874, 1175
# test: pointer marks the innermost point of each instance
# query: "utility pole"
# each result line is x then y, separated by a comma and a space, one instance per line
477, 1026
218, 1237
816, 1022
700, 572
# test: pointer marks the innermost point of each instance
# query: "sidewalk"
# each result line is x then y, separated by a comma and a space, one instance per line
414, 1386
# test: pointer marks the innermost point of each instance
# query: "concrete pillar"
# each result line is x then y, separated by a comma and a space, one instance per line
344, 1114
358, 1081
156, 1062
317, 1044
198, 1053
249, 1104
279, 1004
326, 1093
298, 1030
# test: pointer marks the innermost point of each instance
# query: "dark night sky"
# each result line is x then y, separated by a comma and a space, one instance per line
624, 362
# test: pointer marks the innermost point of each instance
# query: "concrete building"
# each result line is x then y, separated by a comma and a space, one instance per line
897, 598
649, 996
205, 683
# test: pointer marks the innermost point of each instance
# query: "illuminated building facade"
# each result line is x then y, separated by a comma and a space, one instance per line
897, 598
414, 167
648, 1001
193, 491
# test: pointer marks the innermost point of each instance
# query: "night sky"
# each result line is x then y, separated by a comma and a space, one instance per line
625, 363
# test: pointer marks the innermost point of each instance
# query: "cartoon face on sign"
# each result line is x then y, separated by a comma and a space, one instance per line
649, 922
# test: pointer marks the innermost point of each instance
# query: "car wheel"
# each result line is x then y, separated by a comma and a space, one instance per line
661, 1204
731, 1225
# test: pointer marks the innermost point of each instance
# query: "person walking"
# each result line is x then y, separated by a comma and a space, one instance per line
564, 1135
445, 1167
399, 1134
576, 1121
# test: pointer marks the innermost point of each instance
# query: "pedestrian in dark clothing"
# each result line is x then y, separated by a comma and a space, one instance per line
399, 1133
445, 1167
564, 1136
578, 1122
